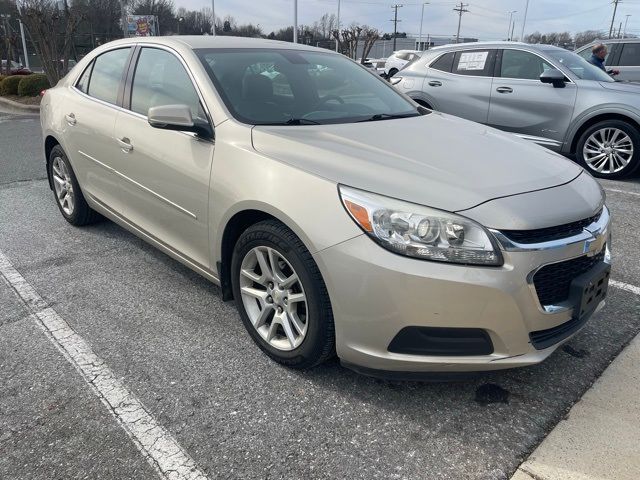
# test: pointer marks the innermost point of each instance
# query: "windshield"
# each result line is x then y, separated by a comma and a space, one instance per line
579, 66
292, 87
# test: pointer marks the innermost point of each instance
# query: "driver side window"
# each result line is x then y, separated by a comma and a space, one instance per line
160, 79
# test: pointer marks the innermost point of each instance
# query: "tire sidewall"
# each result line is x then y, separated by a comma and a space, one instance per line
630, 130
312, 344
57, 151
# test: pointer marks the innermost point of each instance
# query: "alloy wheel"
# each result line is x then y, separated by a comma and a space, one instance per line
274, 298
63, 185
608, 150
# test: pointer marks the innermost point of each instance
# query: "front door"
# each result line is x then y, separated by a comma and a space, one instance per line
165, 174
522, 104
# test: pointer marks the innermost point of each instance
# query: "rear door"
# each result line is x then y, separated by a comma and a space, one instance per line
522, 104
90, 114
459, 83
164, 174
628, 62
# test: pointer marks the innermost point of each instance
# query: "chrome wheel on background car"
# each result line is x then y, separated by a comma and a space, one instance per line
608, 150
63, 185
274, 298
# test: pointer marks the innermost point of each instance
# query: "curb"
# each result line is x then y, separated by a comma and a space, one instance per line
19, 106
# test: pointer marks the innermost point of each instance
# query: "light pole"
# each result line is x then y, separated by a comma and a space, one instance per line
180, 20
295, 21
338, 27
624, 32
213, 17
509, 34
421, 20
524, 20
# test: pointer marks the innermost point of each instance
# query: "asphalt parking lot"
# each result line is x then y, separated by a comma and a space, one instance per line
166, 335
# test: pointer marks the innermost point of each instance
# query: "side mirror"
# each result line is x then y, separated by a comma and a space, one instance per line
555, 77
177, 117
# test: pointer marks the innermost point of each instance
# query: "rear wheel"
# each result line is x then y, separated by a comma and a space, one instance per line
281, 297
610, 149
69, 197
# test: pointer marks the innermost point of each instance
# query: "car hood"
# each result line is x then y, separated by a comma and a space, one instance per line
628, 87
435, 160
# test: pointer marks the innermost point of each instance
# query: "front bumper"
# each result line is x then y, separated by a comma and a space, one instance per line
376, 293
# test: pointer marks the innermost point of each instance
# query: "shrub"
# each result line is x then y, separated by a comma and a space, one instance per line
9, 86
2, 77
32, 85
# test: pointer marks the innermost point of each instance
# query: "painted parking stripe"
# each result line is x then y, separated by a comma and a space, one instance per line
615, 190
625, 286
155, 443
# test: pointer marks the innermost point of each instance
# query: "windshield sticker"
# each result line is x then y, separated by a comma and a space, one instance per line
473, 60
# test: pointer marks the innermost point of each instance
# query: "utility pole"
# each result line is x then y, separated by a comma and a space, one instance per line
619, 30
338, 27
624, 32
613, 19
24, 41
395, 24
295, 21
462, 8
524, 20
509, 29
513, 27
213, 17
421, 20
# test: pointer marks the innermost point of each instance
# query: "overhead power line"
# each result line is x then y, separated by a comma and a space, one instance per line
462, 8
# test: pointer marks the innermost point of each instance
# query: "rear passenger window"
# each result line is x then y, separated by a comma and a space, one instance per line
445, 62
474, 62
630, 56
107, 75
523, 65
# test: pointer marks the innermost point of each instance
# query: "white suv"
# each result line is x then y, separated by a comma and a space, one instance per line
398, 60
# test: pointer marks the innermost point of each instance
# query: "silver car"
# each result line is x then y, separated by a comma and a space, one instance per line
544, 94
622, 55
267, 167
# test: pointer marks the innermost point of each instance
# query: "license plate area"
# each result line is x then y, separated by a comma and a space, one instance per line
589, 289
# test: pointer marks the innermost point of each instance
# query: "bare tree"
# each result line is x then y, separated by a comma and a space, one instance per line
51, 26
370, 36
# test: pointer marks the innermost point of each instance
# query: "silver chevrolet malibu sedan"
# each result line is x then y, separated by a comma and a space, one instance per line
341, 217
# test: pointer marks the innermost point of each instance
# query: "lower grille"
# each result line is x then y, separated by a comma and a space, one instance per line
553, 282
545, 338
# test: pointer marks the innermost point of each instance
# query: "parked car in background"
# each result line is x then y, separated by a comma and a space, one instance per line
14, 68
623, 55
376, 65
541, 93
455, 247
398, 60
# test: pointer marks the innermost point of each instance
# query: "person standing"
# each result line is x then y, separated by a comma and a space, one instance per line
598, 54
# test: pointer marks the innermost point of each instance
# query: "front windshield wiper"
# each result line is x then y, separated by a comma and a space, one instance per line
389, 116
301, 121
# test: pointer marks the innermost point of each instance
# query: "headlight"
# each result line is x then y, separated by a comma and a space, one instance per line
420, 232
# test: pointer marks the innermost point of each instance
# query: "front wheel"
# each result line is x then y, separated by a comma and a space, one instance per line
609, 149
281, 296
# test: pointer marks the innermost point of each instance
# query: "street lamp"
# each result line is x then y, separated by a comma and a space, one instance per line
421, 20
624, 32
180, 20
509, 34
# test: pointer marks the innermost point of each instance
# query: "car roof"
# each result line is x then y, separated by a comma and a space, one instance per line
219, 41
495, 44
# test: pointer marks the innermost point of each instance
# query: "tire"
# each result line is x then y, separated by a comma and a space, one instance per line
277, 244
625, 136
392, 72
60, 171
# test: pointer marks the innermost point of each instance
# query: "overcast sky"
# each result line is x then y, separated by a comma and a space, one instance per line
487, 19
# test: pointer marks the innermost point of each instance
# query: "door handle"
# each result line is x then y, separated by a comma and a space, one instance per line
125, 144
435, 83
70, 118
504, 90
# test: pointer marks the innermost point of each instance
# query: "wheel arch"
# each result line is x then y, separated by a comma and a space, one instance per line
49, 142
237, 222
589, 122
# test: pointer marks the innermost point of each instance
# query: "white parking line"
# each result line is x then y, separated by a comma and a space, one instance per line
155, 443
625, 286
622, 191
